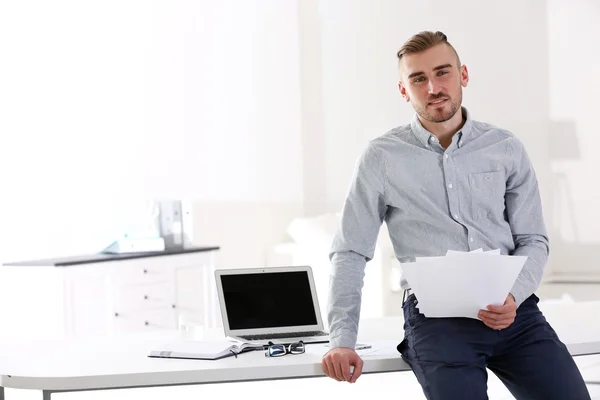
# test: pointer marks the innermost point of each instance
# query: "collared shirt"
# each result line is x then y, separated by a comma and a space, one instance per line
480, 192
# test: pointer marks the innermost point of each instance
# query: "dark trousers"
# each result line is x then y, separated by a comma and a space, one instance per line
449, 356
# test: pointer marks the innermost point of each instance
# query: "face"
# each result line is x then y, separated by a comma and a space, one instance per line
433, 82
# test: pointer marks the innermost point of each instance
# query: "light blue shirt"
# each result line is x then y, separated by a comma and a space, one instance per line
480, 192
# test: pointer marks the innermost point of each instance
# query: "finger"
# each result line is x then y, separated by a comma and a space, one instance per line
496, 316
331, 370
325, 368
496, 309
505, 322
498, 325
503, 309
498, 319
489, 315
337, 365
345, 371
358, 367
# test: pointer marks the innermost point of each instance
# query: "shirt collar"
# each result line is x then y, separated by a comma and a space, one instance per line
427, 137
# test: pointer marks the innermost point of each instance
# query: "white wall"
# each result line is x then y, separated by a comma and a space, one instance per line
104, 106
71, 113
223, 109
574, 98
224, 120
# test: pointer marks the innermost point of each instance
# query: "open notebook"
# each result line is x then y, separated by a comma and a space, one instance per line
203, 350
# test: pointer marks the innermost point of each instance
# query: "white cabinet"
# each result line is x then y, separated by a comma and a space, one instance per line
111, 297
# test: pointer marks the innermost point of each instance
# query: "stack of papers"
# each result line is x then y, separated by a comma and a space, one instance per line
460, 284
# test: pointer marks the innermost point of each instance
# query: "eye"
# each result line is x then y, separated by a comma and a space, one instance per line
442, 73
419, 79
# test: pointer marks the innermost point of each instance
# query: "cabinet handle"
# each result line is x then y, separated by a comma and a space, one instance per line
146, 323
173, 306
145, 297
145, 271
116, 314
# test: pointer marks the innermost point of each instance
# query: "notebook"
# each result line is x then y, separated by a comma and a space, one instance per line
202, 350
275, 304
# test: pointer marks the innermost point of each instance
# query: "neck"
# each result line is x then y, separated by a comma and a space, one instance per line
444, 130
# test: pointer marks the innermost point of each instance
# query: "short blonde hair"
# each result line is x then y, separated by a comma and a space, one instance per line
423, 41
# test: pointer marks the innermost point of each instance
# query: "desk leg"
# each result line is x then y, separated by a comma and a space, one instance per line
1, 393
46, 394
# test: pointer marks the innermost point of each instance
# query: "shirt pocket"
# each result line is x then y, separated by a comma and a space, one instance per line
487, 194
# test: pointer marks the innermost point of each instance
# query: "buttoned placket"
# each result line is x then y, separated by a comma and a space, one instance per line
452, 187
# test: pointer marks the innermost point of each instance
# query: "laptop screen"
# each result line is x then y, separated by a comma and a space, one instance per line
268, 300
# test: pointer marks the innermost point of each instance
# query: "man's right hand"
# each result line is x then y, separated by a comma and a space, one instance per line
337, 362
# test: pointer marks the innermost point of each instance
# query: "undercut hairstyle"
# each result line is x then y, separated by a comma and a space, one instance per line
423, 41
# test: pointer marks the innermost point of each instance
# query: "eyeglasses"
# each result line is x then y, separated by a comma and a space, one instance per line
279, 350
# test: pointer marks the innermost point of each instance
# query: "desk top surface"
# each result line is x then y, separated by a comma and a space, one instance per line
104, 257
117, 362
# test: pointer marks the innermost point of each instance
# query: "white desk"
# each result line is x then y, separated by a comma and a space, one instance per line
122, 362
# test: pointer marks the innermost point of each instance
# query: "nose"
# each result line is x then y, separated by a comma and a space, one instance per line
434, 86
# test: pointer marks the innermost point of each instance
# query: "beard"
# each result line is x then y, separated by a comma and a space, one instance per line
441, 114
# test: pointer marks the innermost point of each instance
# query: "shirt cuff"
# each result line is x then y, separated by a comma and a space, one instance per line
344, 338
519, 294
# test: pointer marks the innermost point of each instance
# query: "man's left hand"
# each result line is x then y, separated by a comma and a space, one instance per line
500, 317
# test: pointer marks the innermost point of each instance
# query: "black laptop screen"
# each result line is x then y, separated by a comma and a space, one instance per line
267, 300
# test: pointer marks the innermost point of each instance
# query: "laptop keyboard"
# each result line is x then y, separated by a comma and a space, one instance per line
283, 335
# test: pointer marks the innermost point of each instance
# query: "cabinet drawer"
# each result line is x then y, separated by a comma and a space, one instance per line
143, 297
145, 321
141, 273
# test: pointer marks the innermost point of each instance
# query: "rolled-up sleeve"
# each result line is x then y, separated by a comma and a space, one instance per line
354, 245
525, 217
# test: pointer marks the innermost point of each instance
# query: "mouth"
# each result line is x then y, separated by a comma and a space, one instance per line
438, 102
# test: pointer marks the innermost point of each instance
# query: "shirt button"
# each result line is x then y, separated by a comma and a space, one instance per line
471, 239
455, 216
446, 156
450, 185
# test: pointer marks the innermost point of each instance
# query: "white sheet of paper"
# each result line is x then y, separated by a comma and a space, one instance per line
453, 252
450, 252
460, 284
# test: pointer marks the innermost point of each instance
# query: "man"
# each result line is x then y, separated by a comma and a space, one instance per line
446, 182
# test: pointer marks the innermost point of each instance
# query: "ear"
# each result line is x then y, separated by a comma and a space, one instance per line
464, 75
403, 92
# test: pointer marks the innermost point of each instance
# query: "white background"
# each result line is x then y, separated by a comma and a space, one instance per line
256, 111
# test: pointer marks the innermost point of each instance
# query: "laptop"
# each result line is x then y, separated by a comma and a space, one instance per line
275, 304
